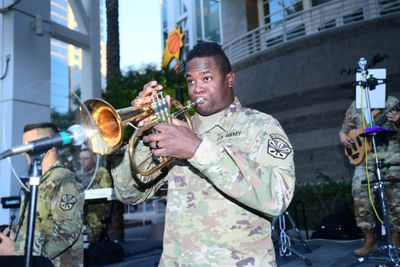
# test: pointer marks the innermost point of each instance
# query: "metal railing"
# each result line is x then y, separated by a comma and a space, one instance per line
317, 19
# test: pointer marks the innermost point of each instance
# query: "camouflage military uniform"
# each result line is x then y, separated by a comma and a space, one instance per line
59, 215
96, 211
391, 154
242, 170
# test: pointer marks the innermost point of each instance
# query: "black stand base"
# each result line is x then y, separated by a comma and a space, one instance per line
37, 261
284, 242
386, 255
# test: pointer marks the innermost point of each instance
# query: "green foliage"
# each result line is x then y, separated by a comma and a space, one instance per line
62, 120
121, 90
318, 198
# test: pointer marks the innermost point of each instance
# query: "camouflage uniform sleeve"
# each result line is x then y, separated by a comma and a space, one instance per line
391, 102
349, 122
125, 186
67, 210
260, 175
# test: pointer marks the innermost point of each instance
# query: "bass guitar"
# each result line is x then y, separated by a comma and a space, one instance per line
356, 154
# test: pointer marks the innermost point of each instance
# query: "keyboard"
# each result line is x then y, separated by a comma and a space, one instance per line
107, 193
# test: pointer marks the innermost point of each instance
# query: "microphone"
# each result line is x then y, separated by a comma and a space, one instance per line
75, 135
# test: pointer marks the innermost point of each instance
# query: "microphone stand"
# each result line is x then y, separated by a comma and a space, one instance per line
393, 256
35, 173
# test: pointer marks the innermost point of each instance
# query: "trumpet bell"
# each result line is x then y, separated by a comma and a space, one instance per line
108, 134
105, 127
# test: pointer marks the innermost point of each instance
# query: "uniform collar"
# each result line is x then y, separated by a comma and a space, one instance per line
225, 123
56, 164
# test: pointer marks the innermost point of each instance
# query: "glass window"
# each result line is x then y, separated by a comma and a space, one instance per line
60, 104
58, 10
59, 75
199, 31
59, 50
59, 66
276, 10
272, 11
65, 65
59, 20
207, 20
60, 80
164, 15
319, 2
211, 20
292, 6
59, 90
60, 2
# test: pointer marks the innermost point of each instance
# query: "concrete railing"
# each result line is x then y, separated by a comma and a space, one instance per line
311, 21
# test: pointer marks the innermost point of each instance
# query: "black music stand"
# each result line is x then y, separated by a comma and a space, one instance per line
392, 258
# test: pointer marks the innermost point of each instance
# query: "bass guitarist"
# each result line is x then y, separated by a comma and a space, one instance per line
390, 152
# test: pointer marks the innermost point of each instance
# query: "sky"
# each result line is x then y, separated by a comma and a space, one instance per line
140, 33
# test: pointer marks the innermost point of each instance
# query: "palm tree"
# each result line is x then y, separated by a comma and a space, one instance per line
113, 58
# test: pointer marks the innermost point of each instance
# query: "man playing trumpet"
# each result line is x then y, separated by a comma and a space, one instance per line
233, 171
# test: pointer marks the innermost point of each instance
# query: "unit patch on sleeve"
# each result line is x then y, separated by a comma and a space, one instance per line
67, 202
278, 147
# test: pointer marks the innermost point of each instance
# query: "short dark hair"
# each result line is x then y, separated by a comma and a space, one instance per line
88, 150
41, 125
211, 49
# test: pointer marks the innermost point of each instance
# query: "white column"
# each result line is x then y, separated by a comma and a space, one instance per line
25, 89
91, 76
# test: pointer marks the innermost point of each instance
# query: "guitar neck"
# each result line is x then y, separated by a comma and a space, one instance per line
383, 119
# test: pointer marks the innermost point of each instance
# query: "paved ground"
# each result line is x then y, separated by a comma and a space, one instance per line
143, 247
324, 253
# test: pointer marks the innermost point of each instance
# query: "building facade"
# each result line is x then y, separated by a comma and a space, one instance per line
35, 66
296, 60
198, 20
66, 59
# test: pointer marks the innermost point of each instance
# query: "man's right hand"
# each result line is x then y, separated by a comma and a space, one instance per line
345, 140
146, 96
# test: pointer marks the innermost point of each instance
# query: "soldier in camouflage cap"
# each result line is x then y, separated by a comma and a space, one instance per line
390, 152
59, 211
232, 172
95, 212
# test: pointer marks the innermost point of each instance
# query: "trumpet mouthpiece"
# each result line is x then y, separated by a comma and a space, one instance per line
199, 100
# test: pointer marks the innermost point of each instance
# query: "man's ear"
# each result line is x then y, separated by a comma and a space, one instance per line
230, 77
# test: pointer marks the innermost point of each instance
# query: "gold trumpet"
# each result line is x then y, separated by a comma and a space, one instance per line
105, 127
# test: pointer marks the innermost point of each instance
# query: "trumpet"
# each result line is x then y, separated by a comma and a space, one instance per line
105, 127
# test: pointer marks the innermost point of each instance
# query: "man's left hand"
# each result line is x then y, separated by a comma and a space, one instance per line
176, 140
